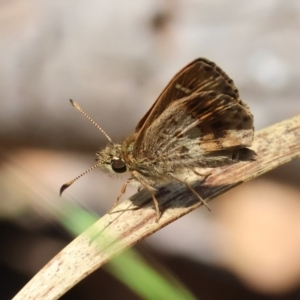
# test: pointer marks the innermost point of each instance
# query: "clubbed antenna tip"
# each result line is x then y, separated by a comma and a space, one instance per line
67, 184
64, 187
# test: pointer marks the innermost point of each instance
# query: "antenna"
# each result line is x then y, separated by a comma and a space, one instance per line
91, 120
67, 184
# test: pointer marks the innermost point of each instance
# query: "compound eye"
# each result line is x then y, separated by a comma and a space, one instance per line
118, 165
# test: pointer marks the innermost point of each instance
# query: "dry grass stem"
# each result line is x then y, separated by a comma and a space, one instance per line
134, 219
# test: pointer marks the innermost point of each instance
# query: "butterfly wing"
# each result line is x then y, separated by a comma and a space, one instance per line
197, 126
199, 76
192, 83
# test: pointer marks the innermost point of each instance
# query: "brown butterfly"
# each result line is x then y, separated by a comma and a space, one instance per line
198, 120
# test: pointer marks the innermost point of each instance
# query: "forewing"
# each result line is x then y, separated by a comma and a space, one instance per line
199, 124
199, 76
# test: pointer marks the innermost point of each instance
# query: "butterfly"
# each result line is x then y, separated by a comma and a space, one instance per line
198, 121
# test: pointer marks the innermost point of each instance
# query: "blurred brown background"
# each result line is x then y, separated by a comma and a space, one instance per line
114, 58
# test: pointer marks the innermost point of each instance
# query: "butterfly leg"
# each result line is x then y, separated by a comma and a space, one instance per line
122, 192
151, 190
191, 189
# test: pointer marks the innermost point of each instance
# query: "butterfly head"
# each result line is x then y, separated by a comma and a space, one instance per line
110, 159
